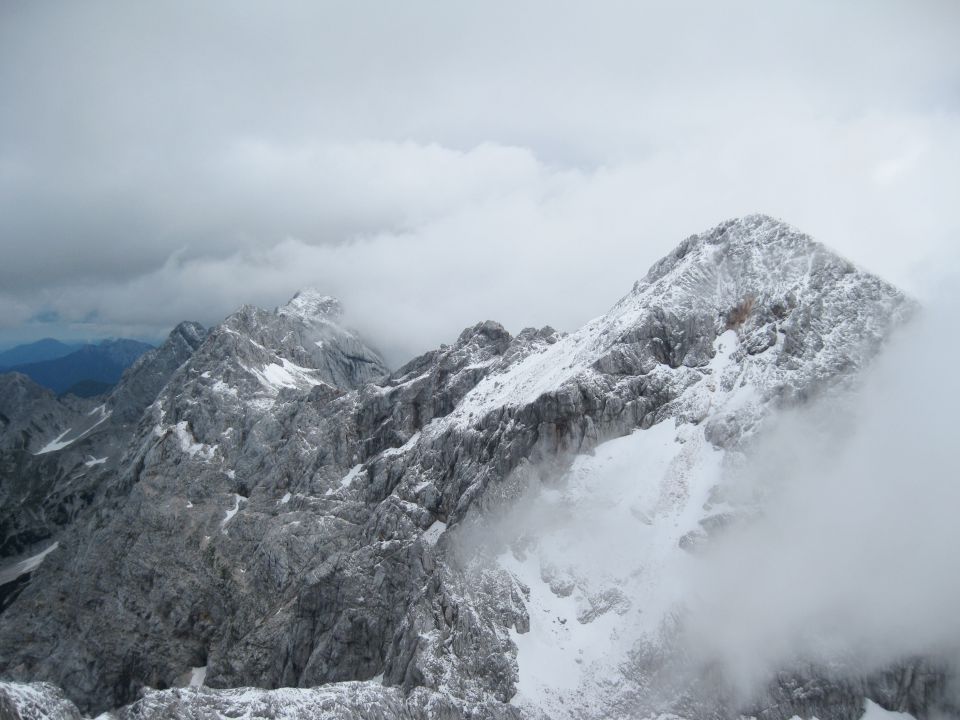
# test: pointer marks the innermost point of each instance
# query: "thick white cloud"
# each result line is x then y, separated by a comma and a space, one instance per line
853, 560
170, 162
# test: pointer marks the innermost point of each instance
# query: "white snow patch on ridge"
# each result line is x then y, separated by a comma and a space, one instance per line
351, 476
198, 676
432, 534
403, 448
347, 480
58, 443
27, 565
233, 511
872, 711
190, 445
284, 374
219, 386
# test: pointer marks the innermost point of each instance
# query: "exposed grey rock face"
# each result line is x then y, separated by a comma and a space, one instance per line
915, 686
143, 381
31, 414
55, 451
288, 514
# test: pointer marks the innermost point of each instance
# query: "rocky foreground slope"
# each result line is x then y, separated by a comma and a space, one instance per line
283, 513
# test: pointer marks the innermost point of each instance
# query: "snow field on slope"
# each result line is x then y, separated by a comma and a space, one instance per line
605, 568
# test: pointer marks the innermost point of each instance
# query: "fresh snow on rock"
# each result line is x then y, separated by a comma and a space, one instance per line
197, 676
872, 711
58, 443
354, 473
604, 562
27, 565
188, 443
284, 374
432, 534
36, 701
237, 500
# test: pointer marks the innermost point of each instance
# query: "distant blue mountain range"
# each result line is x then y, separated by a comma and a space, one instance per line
46, 349
84, 370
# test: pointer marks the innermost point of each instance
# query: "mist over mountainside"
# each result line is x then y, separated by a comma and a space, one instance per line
654, 515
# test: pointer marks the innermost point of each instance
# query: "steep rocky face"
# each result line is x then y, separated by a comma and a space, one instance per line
54, 452
288, 514
31, 414
143, 381
215, 426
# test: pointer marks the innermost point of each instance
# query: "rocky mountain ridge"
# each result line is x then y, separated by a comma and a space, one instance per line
287, 513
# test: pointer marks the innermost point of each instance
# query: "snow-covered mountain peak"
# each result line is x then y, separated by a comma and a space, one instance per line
312, 304
775, 286
254, 362
754, 255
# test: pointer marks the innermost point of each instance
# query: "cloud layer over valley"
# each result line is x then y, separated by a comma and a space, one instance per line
524, 165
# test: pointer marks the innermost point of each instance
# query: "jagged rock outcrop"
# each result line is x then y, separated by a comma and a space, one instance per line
31, 414
289, 514
54, 452
143, 381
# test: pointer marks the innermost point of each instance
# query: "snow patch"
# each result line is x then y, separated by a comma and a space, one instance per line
872, 711
603, 561
432, 534
222, 388
58, 443
233, 511
389, 452
284, 374
354, 473
198, 676
347, 480
189, 444
28, 565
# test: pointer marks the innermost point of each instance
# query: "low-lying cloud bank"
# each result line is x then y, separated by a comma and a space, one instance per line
841, 552
853, 560
435, 165
419, 241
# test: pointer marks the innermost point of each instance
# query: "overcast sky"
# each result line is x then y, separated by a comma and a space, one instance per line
434, 164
